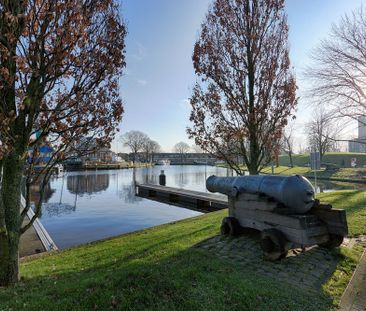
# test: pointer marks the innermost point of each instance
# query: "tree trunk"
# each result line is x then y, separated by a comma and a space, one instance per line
291, 161
134, 158
9, 240
252, 164
254, 153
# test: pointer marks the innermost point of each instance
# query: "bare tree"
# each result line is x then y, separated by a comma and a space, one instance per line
150, 148
287, 143
302, 146
247, 89
181, 148
338, 72
197, 149
136, 141
322, 132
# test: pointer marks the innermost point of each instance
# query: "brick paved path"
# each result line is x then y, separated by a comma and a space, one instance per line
307, 270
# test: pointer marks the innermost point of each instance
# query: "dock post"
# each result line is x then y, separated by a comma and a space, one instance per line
162, 178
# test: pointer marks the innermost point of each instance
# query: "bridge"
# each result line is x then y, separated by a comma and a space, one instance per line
185, 158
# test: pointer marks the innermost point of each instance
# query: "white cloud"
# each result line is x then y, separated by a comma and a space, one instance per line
184, 104
141, 82
140, 52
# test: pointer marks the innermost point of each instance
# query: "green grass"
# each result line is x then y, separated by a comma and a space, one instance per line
285, 170
356, 174
354, 202
341, 159
344, 173
341, 173
160, 269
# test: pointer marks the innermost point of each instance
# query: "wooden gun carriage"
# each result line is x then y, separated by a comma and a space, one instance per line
283, 208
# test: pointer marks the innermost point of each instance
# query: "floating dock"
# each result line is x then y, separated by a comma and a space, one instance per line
194, 200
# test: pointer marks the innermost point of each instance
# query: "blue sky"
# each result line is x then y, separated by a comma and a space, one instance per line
159, 73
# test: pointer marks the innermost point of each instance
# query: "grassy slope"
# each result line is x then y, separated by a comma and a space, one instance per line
342, 173
285, 170
342, 159
157, 269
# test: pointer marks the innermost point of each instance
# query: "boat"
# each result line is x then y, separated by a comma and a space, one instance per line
163, 162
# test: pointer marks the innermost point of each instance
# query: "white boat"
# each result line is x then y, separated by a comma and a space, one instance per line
163, 162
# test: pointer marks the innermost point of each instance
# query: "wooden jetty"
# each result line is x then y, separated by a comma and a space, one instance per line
194, 200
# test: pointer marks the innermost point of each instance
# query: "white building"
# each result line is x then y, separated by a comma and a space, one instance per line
359, 144
362, 127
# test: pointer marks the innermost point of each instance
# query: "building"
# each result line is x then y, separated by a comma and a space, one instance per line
362, 127
359, 144
101, 155
44, 154
88, 150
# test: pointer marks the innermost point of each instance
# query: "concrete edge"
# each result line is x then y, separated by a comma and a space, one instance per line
347, 298
41, 231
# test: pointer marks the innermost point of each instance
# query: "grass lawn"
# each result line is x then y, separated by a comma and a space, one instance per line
160, 269
340, 173
342, 159
285, 170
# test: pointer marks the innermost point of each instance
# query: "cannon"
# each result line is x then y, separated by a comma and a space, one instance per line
283, 209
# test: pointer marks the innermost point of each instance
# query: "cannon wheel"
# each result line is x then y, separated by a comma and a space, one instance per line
230, 226
334, 241
273, 244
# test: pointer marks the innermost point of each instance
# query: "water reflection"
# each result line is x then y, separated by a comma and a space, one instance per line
58, 209
87, 184
128, 192
86, 206
35, 192
181, 179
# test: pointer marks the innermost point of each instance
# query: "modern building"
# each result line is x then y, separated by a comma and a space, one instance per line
359, 144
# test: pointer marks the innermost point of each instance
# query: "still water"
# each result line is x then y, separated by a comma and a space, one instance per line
86, 206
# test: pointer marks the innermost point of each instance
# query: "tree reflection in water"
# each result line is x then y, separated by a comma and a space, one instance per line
77, 185
87, 184
181, 178
58, 209
35, 192
128, 192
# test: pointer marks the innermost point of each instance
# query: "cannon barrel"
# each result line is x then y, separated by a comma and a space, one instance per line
294, 192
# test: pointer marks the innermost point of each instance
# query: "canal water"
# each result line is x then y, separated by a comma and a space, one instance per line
86, 206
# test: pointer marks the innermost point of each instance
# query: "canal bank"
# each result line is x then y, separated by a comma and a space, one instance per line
86, 206
30, 242
174, 267
36, 239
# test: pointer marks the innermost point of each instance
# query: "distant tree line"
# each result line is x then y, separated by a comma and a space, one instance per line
139, 142
143, 148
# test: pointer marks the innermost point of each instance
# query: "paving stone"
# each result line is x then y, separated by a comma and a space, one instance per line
307, 270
